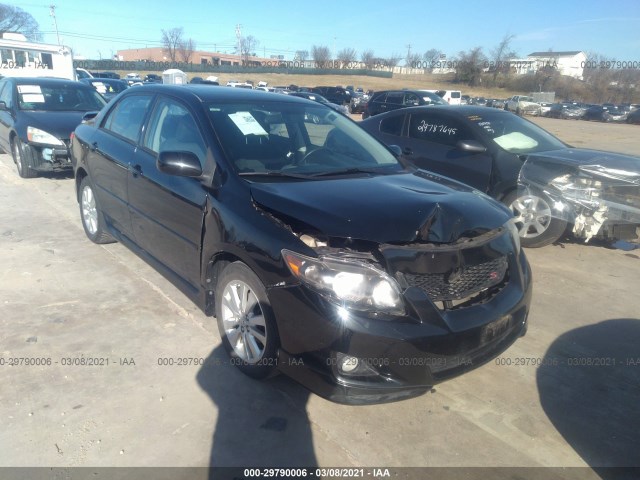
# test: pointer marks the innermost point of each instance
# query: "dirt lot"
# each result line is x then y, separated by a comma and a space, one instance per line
87, 332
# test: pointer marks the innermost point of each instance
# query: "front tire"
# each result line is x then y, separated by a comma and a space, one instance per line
22, 164
246, 321
91, 215
533, 216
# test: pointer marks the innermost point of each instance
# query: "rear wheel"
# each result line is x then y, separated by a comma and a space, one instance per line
246, 322
91, 215
22, 164
534, 218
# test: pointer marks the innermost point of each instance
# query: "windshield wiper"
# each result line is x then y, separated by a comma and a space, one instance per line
272, 173
346, 171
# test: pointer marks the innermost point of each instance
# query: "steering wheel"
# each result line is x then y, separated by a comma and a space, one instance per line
317, 152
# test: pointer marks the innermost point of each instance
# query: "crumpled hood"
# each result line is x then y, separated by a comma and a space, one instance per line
400, 208
58, 124
577, 157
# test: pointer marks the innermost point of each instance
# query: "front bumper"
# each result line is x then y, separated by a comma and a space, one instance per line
47, 158
399, 357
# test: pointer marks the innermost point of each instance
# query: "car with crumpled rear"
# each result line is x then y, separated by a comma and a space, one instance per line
320, 254
37, 116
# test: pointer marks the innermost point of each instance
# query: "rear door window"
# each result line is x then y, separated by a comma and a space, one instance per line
392, 125
395, 98
438, 129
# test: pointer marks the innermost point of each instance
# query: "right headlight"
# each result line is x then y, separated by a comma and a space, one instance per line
350, 283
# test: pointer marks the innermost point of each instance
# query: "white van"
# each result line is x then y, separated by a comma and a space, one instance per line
452, 97
21, 58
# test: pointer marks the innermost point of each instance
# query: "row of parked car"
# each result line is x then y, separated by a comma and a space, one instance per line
603, 113
366, 260
526, 105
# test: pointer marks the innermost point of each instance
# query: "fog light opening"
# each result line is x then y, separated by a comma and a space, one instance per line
348, 364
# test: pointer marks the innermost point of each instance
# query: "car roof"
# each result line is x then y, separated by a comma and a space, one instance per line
46, 81
460, 111
204, 93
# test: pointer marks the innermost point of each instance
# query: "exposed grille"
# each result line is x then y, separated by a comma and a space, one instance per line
460, 283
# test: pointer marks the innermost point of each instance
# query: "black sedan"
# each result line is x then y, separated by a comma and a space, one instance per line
109, 88
319, 253
320, 99
546, 183
603, 113
37, 116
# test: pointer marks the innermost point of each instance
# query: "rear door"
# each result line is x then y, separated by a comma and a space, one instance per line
112, 151
167, 211
431, 144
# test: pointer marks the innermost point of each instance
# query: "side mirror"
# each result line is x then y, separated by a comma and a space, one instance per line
3, 106
395, 150
471, 146
180, 164
89, 116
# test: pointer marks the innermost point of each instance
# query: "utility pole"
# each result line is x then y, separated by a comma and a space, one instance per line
408, 52
52, 12
238, 37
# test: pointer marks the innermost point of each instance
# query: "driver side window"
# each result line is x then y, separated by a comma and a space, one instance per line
126, 119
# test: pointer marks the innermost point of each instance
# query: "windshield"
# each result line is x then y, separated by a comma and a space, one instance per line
514, 134
296, 139
59, 98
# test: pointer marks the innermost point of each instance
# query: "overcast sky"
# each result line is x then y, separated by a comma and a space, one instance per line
98, 29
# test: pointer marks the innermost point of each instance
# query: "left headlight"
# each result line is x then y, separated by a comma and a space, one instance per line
515, 234
353, 284
35, 135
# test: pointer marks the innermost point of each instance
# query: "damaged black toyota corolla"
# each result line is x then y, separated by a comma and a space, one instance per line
319, 253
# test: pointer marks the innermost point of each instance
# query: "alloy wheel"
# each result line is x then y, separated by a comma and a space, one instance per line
89, 210
532, 215
243, 321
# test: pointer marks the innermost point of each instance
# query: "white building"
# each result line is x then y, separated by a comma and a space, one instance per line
566, 63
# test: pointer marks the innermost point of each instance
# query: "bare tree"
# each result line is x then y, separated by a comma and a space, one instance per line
248, 47
321, 55
301, 55
501, 54
597, 76
432, 55
171, 40
470, 65
368, 58
186, 49
393, 60
347, 56
15, 19
413, 61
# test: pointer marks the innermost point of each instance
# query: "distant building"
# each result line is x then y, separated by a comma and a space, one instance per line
566, 63
158, 54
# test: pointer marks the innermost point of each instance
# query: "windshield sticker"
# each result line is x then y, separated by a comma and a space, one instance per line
515, 141
425, 127
29, 89
474, 118
32, 98
247, 124
100, 87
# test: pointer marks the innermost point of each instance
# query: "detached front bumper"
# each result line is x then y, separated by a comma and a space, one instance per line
47, 158
358, 358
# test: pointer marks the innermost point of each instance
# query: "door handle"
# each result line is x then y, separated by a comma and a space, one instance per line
93, 147
136, 170
407, 151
